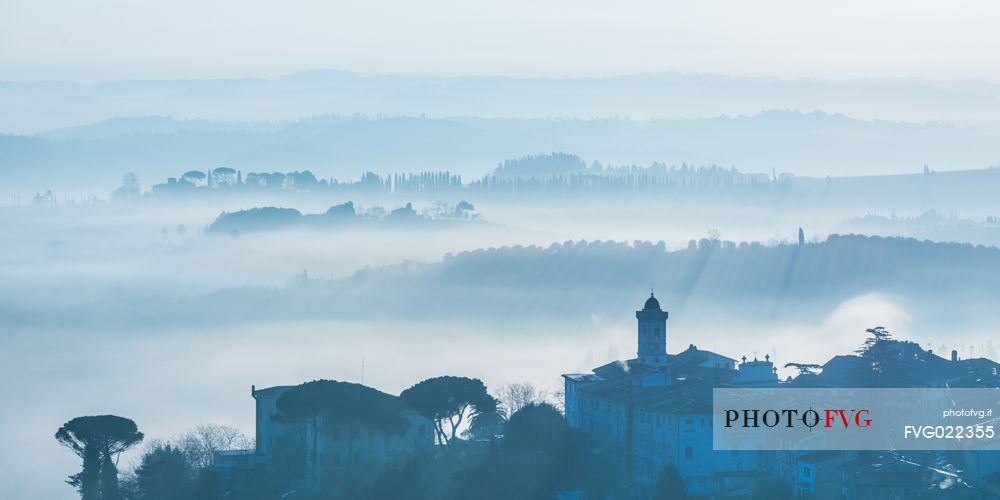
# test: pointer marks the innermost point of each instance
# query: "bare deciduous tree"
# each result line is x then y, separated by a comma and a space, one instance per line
199, 443
517, 395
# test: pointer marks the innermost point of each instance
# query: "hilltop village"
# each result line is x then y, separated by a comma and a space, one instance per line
639, 428
645, 423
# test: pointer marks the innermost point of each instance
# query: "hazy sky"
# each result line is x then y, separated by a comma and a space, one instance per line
113, 39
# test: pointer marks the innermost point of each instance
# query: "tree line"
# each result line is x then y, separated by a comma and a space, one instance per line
551, 174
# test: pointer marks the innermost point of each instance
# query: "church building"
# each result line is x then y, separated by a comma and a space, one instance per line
657, 408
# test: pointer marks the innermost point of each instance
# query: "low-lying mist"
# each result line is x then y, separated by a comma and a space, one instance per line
115, 309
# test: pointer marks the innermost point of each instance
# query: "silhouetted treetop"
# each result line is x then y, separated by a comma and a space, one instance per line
98, 440
538, 427
344, 400
449, 400
109, 433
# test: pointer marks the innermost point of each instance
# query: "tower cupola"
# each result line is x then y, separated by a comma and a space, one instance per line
652, 325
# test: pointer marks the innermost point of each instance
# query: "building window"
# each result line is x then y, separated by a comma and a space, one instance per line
336, 433
688, 421
688, 453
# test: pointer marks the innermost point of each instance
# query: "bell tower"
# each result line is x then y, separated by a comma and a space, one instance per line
652, 333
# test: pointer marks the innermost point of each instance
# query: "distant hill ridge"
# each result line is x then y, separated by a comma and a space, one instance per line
806, 144
945, 283
942, 286
32, 106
